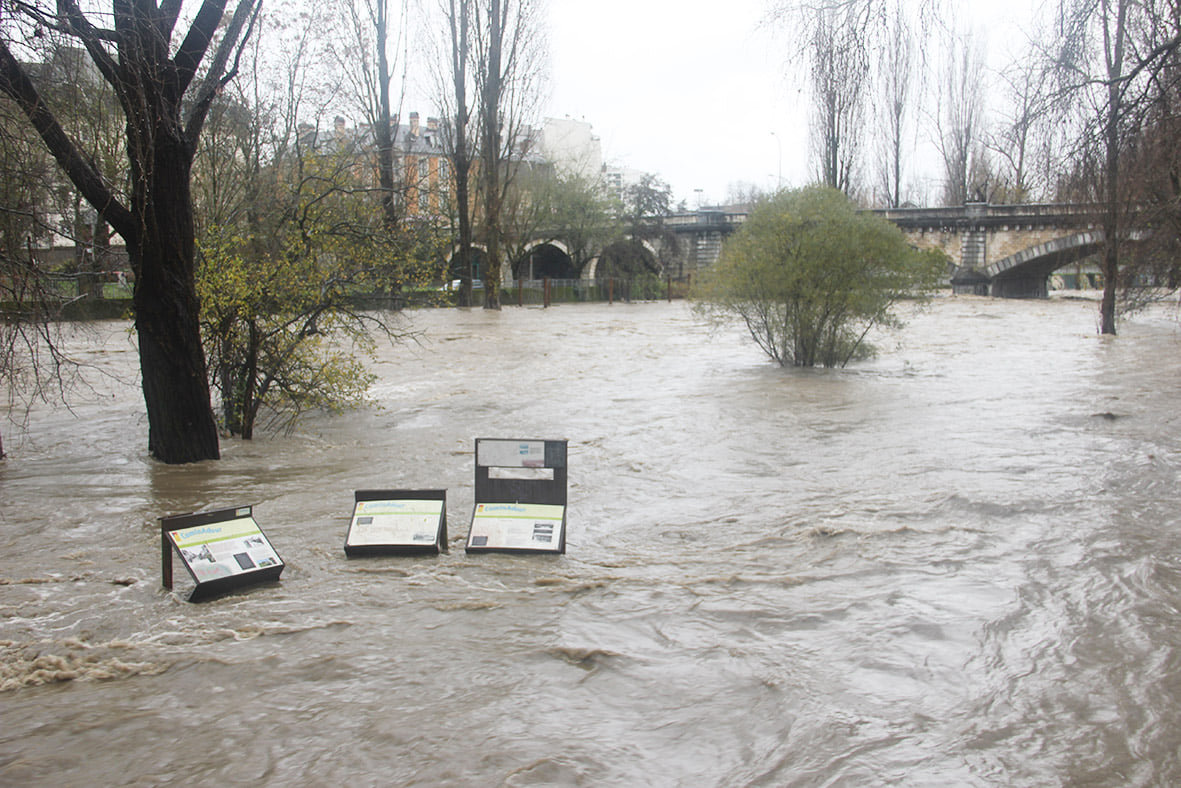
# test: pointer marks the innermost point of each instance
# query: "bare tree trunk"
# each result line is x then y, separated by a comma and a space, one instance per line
897, 71
100, 249
250, 383
382, 128
181, 427
491, 106
459, 18
1114, 52
1111, 222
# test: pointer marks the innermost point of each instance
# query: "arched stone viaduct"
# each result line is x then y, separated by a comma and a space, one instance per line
692, 242
1008, 251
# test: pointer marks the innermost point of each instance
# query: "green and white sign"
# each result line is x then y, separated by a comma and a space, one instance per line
224, 549
517, 526
410, 522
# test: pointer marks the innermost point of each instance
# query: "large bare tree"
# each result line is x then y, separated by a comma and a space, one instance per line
165, 77
960, 116
370, 38
454, 89
507, 51
834, 40
895, 108
1110, 57
1023, 137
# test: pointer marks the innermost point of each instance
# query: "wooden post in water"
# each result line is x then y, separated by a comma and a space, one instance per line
545, 291
521, 290
165, 558
610, 290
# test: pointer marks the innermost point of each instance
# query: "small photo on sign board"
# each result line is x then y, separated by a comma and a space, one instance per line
397, 521
221, 550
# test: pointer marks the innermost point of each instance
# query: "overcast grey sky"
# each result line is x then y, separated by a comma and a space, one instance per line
693, 89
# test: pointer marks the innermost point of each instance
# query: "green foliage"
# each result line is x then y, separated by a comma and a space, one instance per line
279, 334
810, 275
282, 317
297, 247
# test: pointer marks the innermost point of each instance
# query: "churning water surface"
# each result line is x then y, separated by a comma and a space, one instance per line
957, 564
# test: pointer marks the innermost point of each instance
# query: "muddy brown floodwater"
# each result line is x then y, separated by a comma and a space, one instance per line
957, 564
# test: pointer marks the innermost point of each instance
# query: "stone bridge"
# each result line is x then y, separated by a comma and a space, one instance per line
1004, 250
693, 242
1008, 251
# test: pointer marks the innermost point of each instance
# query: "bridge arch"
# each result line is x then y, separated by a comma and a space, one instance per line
1025, 273
629, 257
545, 259
1051, 255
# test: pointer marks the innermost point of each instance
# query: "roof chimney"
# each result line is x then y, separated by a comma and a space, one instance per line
414, 123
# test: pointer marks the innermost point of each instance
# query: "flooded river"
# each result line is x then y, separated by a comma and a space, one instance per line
957, 564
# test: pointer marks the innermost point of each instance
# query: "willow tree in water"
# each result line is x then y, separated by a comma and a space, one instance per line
810, 276
165, 78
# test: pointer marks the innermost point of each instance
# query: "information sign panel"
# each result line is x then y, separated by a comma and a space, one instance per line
397, 521
520, 496
221, 550
531, 527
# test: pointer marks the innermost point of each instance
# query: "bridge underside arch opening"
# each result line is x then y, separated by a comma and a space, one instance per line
545, 261
478, 265
1026, 275
627, 259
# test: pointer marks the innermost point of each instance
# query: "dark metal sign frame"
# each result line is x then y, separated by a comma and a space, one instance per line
530, 474
249, 571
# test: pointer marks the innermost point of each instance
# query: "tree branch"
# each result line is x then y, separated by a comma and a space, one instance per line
245, 16
75, 23
15, 83
191, 51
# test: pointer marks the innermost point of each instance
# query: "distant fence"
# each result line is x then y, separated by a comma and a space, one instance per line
535, 292
116, 301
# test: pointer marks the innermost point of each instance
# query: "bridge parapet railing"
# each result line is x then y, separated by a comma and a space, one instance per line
984, 215
720, 218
